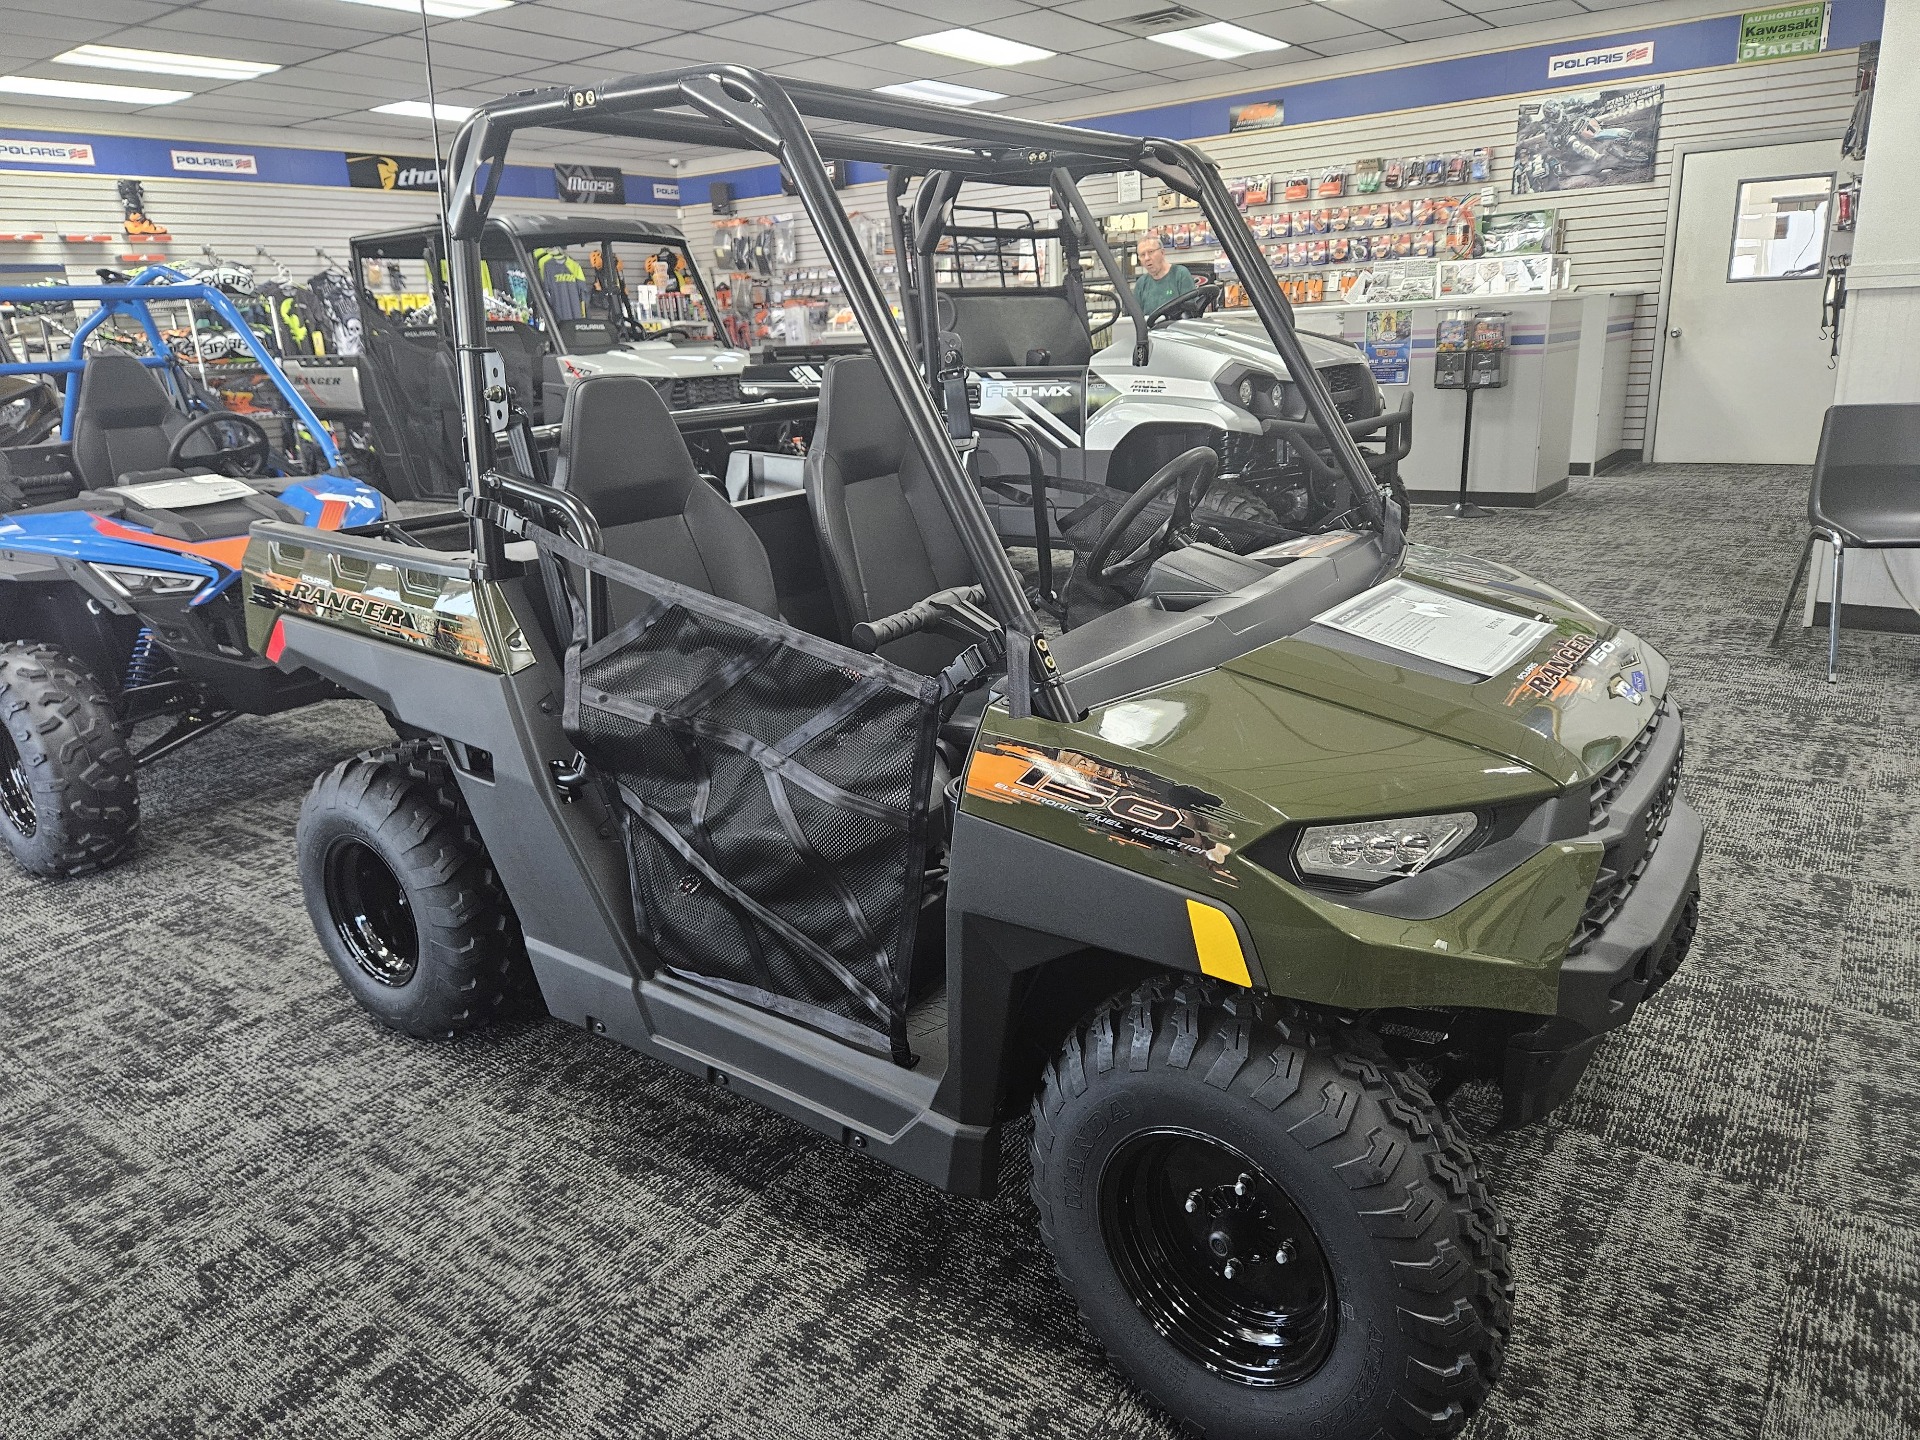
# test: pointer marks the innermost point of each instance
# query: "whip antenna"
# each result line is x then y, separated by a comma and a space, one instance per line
433, 120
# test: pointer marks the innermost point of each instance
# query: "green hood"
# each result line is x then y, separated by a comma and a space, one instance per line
1567, 727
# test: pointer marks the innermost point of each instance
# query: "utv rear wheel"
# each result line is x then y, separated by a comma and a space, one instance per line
1271, 1227
69, 802
403, 897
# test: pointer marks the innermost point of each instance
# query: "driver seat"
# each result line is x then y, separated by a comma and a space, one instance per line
124, 423
621, 453
885, 535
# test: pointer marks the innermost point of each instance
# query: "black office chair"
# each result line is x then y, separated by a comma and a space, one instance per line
1865, 496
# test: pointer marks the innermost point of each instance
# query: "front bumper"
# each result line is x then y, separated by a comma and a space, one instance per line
1642, 917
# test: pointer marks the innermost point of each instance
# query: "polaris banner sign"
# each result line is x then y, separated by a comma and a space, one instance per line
392, 172
590, 185
1782, 32
1593, 62
44, 152
214, 162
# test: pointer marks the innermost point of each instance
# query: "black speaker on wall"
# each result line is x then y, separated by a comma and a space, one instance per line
720, 196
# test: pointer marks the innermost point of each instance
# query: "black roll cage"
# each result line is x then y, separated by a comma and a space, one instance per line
726, 105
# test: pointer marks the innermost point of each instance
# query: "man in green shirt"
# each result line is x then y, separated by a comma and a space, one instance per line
1161, 281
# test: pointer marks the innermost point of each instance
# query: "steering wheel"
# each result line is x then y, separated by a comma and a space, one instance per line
1190, 306
1189, 476
250, 458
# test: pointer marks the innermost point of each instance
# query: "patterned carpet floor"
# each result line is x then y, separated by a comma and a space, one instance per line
232, 1206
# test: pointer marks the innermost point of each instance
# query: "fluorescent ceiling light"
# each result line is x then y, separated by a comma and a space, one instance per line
444, 9
81, 90
940, 92
1219, 41
164, 62
420, 110
977, 48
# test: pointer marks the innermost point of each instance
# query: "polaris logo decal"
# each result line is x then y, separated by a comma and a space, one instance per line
1592, 62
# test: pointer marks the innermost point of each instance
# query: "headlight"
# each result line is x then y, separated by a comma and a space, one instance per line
131, 582
1251, 390
1379, 850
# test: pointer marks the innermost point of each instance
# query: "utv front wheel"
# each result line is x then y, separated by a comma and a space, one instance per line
69, 802
403, 897
1271, 1227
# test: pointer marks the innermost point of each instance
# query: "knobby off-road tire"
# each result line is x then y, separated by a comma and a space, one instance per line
69, 802
405, 901
1324, 1130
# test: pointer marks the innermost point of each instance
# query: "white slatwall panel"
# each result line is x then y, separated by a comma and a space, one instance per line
291, 221
1615, 237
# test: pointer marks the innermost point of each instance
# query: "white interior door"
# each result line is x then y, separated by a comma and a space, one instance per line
1744, 375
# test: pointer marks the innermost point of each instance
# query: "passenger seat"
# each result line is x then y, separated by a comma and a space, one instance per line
885, 535
621, 453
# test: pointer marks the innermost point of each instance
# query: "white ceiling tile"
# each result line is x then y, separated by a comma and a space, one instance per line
1101, 11
1354, 44
74, 28
912, 64
1310, 24
1441, 29
278, 52
1531, 14
670, 14
1244, 11
514, 45
1075, 70
119, 12
750, 35
1051, 30
1390, 14
1130, 54
975, 14
831, 70
678, 50
859, 18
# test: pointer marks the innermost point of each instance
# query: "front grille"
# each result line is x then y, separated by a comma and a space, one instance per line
1354, 394
699, 390
1611, 781
1615, 882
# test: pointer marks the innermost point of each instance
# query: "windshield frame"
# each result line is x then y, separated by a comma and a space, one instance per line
523, 249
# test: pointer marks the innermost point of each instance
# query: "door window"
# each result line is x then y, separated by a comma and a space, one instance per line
1780, 228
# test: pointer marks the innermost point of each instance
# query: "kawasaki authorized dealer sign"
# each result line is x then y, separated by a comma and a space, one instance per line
1782, 32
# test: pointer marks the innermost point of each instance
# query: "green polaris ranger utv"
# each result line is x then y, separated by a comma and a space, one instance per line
1228, 885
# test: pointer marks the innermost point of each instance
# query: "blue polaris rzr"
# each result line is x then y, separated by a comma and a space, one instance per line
120, 552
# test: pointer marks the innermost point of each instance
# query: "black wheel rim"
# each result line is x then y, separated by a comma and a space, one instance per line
16, 798
1218, 1257
370, 911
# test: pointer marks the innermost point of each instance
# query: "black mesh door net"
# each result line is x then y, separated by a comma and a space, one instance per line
774, 788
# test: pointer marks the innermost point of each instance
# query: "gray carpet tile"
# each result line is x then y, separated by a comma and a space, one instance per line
231, 1206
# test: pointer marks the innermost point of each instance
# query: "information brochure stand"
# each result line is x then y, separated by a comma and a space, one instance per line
1470, 354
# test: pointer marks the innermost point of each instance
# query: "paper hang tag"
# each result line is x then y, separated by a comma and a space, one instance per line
185, 492
1439, 626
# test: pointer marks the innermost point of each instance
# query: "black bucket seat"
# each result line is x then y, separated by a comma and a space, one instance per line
621, 453
125, 421
885, 534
